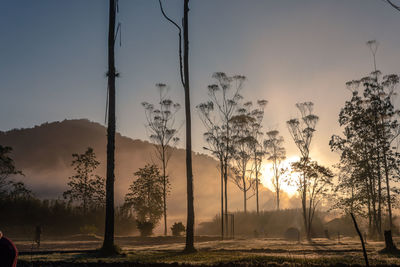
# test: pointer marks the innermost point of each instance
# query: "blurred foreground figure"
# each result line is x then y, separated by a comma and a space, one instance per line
8, 252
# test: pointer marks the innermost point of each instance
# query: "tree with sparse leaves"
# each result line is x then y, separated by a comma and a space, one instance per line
163, 133
302, 131
216, 115
85, 187
243, 142
256, 147
315, 187
276, 154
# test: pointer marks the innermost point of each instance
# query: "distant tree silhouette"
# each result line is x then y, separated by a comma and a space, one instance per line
85, 187
108, 247
160, 123
184, 73
7, 168
302, 131
243, 142
215, 145
315, 188
18, 191
145, 196
256, 147
216, 114
276, 154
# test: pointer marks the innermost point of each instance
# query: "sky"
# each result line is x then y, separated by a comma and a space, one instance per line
53, 58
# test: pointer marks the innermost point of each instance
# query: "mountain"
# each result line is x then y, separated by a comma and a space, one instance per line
44, 154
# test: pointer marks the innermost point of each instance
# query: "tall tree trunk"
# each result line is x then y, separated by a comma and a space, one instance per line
277, 197
388, 192
226, 192
108, 244
222, 197
258, 208
164, 190
304, 206
189, 174
244, 194
378, 158
389, 202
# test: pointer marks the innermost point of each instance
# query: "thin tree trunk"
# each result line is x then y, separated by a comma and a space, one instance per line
379, 180
258, 209
222, 198
164, 190
387, 182
277, 197
304, 206
361, 239
388, 193
189, 173
108, 244
226, 192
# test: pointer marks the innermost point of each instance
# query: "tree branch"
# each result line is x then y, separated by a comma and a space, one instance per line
180, 42
393, 5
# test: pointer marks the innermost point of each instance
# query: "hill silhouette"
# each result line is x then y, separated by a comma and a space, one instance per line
44, 154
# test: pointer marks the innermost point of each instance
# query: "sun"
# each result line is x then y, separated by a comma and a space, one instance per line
267, 176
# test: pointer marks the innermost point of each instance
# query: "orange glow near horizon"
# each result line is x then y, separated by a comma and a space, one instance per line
268, 176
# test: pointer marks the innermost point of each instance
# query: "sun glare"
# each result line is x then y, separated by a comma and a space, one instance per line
268, 175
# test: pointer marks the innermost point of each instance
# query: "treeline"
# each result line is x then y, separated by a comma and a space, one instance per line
280, 224
20, 216
80, 211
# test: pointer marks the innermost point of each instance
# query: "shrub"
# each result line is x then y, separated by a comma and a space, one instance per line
88, 229
177, 229
145, 228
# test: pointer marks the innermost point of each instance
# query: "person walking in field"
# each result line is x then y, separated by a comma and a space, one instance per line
38, 233
8, 252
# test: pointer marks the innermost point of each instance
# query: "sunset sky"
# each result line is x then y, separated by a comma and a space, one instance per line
53, 58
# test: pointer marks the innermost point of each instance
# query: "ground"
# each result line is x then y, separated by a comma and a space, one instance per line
160, 251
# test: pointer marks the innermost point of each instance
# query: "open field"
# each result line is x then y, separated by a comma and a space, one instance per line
158, 251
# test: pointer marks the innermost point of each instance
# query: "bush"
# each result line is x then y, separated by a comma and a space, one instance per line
88, 229
145, 228
177, 229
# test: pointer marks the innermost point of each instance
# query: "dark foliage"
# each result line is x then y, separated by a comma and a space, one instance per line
177, 229
19, 217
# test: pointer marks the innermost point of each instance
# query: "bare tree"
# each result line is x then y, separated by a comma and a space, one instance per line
302, 130
161, 126
184, 73
276, 154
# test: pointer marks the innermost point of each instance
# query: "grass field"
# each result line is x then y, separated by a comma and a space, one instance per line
158, 251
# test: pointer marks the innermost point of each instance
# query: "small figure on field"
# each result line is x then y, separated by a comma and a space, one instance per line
38, 233
8, 252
